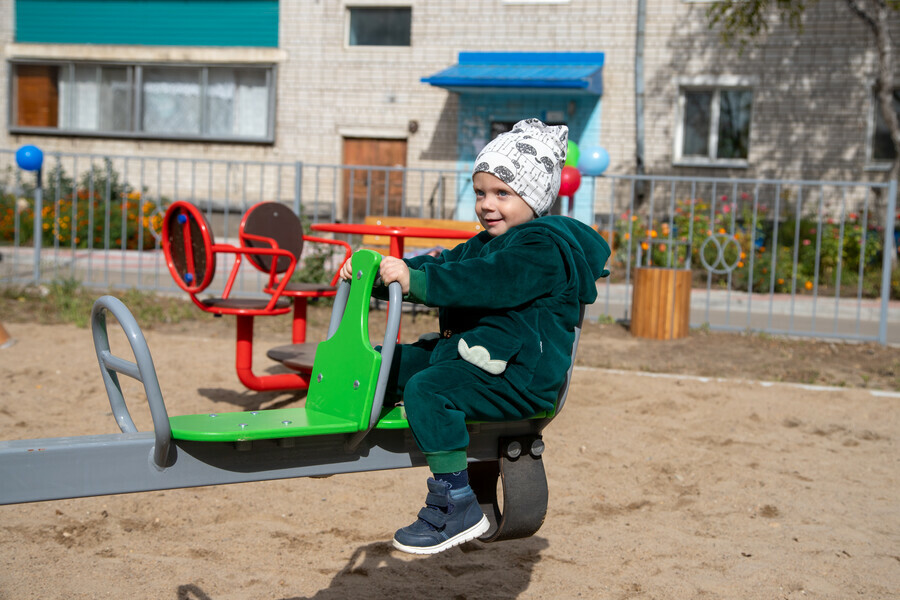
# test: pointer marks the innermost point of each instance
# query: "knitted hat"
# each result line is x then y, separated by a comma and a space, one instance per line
529, 159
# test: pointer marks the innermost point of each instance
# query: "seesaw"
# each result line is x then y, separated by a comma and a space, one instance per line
343, 428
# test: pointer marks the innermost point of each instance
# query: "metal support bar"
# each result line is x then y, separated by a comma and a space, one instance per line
76, 467
888, 258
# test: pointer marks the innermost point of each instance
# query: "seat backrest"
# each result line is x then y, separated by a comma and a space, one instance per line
277, 222
564, 390
346, 369
187, 242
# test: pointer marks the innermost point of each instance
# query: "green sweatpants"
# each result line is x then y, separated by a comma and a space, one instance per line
440, 397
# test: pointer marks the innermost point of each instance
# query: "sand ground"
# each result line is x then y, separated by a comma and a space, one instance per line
660, 487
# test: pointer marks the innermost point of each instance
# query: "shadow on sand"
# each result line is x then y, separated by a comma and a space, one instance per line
474, 570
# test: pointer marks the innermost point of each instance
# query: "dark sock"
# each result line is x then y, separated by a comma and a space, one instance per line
456, 480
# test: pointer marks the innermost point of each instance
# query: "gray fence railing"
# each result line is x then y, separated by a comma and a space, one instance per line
804, 258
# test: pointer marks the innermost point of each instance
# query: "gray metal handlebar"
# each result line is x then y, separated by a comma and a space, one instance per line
142, 370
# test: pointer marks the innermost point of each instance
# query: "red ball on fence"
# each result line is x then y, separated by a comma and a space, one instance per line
571, 180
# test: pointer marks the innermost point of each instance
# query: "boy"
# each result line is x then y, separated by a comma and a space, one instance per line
509, 300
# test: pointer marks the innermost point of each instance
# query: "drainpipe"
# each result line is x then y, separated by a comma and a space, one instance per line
639, 95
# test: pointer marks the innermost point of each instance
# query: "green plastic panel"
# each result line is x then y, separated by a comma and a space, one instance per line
149, 23
257, 425
345, 371
393, 418
339, 399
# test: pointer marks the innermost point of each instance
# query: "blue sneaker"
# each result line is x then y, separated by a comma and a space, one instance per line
450, 518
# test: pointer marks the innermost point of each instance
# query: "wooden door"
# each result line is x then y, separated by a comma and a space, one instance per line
37, 95
371, 192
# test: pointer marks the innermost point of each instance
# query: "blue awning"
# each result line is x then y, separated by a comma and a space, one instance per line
573, 72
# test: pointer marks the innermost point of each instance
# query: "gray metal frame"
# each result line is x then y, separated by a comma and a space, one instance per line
132, 461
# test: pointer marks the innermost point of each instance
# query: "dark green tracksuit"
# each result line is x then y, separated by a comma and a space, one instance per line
508, 310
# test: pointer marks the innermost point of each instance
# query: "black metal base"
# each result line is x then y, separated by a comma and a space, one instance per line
524, 489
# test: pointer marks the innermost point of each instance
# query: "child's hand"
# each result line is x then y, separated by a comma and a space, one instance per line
346, 270
393, 269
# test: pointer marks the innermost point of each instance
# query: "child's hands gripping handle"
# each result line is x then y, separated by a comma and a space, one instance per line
392, 269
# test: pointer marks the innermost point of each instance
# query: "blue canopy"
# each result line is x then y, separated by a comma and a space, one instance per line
579, 72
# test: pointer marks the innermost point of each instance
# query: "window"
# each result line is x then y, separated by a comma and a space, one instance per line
144, 101
381, 26
714, 126
882, 147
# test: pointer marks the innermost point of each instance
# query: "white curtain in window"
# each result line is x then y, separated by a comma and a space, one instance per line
78, 99
171, 100
237, 103
114, 99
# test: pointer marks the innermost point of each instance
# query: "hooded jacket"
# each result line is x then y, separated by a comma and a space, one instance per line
510, 304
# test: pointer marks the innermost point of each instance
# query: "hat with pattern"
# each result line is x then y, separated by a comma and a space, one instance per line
529, 159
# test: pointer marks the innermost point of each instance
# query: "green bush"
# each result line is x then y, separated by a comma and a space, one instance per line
778, 263
101, 211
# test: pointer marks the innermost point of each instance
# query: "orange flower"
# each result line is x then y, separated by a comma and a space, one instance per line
809, 285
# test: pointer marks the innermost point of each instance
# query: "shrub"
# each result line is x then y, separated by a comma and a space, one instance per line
783, 258
101, 211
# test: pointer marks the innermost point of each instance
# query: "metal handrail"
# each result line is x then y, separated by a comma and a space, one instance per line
142, 370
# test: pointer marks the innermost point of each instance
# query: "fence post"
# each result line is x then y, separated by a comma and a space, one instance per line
31, 158
38, 227
887, 261
298, 186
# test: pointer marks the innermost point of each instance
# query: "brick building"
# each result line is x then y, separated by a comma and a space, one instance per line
386, 82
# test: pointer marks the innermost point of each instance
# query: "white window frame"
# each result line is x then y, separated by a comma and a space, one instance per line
135, 70
873, 164
714, 85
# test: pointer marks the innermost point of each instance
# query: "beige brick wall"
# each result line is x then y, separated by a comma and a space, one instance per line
811, 98
811, 104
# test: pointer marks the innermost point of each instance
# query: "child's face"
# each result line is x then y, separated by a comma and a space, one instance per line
498, 207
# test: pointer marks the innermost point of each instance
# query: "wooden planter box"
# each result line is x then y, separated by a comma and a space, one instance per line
661, 303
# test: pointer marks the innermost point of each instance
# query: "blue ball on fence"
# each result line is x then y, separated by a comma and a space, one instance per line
188, 278
593, 161
29, 158
182, 219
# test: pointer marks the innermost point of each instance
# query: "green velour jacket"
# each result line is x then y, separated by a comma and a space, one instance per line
509, 304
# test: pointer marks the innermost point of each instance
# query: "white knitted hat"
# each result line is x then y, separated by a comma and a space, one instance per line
529, 159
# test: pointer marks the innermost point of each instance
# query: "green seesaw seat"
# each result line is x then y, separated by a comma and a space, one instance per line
342, 392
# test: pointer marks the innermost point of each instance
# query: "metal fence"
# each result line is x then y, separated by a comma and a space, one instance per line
804, 258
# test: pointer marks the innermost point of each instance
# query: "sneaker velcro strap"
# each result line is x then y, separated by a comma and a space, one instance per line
434, 517
439, 500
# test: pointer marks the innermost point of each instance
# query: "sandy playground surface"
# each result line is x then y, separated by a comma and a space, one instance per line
660, 487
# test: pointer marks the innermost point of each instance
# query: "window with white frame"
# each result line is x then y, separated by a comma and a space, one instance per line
380, 25
196, 102
881, 147
713, 125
